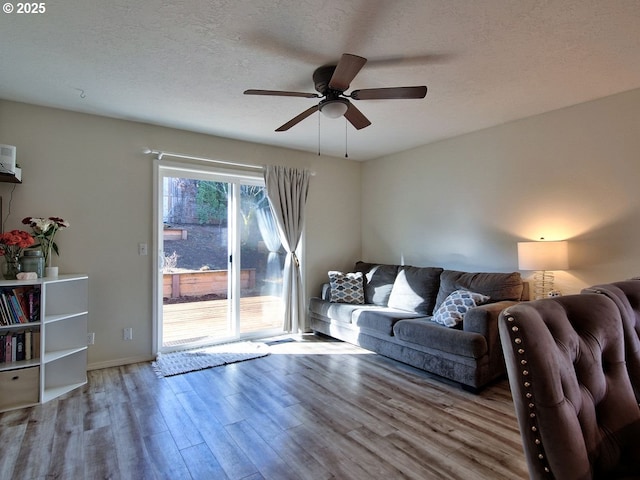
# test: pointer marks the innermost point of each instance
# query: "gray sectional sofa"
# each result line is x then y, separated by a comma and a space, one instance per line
396, 318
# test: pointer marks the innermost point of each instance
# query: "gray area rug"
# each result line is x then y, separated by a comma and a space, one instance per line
175, 363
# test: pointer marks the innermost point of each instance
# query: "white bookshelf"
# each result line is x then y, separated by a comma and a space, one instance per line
60, 364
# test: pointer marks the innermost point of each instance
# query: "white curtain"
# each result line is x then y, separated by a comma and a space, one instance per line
271, 237
287, 190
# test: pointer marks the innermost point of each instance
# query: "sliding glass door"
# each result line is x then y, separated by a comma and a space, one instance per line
220, 268
261, 262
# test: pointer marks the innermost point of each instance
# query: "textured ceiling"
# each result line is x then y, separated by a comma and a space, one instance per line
185, 64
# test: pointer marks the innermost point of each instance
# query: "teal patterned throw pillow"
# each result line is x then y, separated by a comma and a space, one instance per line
347, 287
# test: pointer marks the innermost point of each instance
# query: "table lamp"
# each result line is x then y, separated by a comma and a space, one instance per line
543, 257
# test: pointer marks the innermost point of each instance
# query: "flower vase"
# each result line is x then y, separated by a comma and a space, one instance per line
11, 267
51, 272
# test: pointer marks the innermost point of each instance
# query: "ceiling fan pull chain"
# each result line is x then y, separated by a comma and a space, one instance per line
346, 129
318, 134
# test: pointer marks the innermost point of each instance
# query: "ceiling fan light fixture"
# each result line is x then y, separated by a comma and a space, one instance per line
334, 108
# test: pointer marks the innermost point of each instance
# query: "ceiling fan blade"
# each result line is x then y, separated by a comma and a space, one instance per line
406, 61
297, 119
356, 117
280, 93
389, 93
346, 70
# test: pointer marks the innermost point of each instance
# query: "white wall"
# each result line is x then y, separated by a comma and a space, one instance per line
91, 171
461, 203
465, 202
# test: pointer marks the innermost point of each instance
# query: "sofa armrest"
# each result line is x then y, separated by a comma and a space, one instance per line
326, 292
484, 320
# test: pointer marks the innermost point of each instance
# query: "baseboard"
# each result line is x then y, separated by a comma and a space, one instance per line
119, 362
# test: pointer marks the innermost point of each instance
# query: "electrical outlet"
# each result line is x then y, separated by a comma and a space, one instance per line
127, 334
91, 338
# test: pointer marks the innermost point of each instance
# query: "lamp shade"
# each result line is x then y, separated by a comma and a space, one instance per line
543, 255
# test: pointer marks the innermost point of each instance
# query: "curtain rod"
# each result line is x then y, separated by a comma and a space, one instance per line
161, 154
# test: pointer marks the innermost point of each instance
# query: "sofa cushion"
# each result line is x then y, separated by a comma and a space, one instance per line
378, 281
340, 312
498, 286
415, 289
455, 306
346, 287
380, 319
432, 335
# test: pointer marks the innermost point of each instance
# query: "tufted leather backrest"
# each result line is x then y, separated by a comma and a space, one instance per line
626, 295
576, 410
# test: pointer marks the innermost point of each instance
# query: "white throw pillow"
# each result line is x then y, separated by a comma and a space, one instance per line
454, 307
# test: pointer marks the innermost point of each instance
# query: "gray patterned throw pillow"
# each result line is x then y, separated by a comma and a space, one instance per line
346, 287
454, 307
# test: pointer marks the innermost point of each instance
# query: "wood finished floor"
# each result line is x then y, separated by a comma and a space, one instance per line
313, 409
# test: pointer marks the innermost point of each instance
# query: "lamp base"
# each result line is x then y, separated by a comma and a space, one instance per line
542, 284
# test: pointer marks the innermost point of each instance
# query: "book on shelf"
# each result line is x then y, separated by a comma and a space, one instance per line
33, 304
4, 312
20, 353
20, 345
19, 305
7, 346
17, 309
28, 352
11, 317
21, 294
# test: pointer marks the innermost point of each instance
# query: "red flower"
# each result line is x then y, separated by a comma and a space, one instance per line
14, 241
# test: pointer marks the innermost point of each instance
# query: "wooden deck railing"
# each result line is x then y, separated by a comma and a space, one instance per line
203, 282
209, 320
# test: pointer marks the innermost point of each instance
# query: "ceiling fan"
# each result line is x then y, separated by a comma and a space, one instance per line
331, 81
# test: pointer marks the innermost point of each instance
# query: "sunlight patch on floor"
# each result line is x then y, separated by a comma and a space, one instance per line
310, 344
